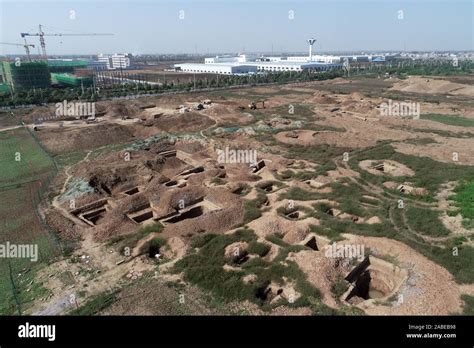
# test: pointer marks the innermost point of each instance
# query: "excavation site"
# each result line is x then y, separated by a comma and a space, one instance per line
331, 209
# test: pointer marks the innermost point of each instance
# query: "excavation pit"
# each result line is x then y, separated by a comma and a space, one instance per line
294, 215
263, 292
267, 188
143, 217
332, 212
238, 190
193, 171
370, 285
380, 167
91, 213
311, 243
153, 250
258, 166
171, 183
132, 191
190, 214
94, 216
373, 279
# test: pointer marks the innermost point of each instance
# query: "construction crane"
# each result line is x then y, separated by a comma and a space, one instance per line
25, 45
42, 34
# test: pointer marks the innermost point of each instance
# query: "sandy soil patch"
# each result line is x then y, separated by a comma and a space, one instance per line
433, 86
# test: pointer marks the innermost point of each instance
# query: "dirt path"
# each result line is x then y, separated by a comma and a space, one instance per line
56, 202
9, 128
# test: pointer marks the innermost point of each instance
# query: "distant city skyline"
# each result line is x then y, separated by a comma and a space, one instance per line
201, 26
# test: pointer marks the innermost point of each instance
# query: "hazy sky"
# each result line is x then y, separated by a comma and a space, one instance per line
147, 26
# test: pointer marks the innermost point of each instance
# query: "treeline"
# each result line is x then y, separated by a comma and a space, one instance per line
126, 89
54, 95
405, 68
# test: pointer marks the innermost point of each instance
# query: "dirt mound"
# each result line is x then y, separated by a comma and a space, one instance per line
228, 212
236, 251
176, 199
162, 146
328, 271
187, 122
322, 98
59, 140
433, 86
295, 236
387, 167
121, 109
68, 232
111, 173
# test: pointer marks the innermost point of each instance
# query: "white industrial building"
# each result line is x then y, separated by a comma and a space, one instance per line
217, 68
316, 58
253, 67
293, 66
247, 64
241, 58
115, 61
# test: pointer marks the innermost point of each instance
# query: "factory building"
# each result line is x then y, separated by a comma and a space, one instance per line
217, 68
316, 58
241, 58
115, 61
245, 64
253, 67
97, 65
279, 66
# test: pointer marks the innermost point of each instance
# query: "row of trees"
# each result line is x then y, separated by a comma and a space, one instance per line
54, 95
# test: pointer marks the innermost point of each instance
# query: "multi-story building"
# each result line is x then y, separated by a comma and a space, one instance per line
115, 61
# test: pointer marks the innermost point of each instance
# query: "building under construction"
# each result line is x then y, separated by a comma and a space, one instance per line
71, 80
25, 75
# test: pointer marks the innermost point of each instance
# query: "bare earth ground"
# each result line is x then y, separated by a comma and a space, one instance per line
160, 180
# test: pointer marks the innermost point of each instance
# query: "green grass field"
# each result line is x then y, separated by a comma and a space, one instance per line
449, 120
21, 159
464, 198
19, 184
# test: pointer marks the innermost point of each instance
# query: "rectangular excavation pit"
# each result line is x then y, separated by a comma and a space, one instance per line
92, 212
256, 167
132, 191
89, 207
143, 216
94, 215
193, 209
189, 214
168, 154
194, 170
